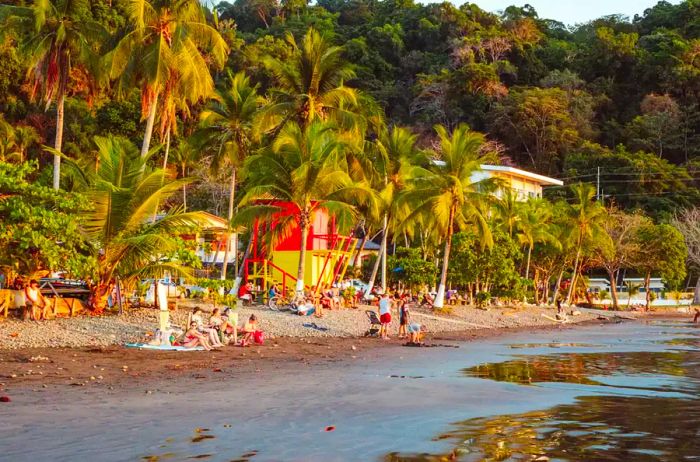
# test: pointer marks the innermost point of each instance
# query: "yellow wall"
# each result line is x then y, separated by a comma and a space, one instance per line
289, 262
524, 187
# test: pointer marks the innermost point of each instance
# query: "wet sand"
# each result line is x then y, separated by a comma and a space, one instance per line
264, 405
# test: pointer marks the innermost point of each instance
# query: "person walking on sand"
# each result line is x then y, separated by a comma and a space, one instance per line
384, 315
697, 315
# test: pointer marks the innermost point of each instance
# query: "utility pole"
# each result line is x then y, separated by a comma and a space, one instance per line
597, 185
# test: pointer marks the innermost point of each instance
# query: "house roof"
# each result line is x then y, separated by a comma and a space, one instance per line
369, 245
541, 179
212, 223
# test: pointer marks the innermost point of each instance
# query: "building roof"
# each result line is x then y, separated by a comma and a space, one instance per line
213, 223
541, 179
369, 245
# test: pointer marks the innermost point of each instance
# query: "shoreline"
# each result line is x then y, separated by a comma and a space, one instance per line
39, 370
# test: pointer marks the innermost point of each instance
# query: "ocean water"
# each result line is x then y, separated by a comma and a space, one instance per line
620, 392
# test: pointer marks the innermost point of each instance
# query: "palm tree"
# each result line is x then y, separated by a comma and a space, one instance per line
226, 130
167, 53
632, 290
586, 218
447, 193
305, 168
124, 193
394, 152
508, 209
533, 227
25, 136
185, 156
56, 36
310, 85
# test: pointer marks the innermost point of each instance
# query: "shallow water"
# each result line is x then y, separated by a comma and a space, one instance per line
616, 392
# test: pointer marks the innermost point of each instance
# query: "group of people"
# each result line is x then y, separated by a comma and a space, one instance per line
407, 328
220, 330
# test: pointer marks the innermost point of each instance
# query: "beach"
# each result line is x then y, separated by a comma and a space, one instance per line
89, 351
337, 404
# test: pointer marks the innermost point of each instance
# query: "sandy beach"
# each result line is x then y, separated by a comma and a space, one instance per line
89, 352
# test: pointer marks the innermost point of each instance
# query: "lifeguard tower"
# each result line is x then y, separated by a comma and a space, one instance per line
328, 253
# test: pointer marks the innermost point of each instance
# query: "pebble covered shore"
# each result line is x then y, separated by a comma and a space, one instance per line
135, 325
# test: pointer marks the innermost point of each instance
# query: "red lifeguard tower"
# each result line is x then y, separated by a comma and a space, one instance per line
328, 253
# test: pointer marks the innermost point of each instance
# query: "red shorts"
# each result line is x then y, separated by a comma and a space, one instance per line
385, 318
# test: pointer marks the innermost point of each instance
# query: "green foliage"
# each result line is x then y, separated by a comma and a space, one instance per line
407, 266
41, 228
493, 268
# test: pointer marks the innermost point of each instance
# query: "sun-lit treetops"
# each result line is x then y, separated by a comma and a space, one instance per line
380, 113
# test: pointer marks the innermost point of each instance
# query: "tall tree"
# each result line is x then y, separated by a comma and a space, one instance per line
226, 131
56, 37
622, 249
586, 217
310, 85
124, 193
688, 223
446, 191
167, 51
304, 167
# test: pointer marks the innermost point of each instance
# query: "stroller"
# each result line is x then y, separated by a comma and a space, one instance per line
374, 324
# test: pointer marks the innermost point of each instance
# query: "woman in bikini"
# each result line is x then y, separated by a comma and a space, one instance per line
194, 338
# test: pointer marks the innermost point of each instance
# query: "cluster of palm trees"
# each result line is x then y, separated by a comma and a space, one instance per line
309, 140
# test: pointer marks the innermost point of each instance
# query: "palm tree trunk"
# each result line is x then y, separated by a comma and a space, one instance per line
384, 252
149, 128
613, 289
58, 142
375, 269
573, 276
647, 294
184, 192
527, 268
165, 165
558, 286
360, 249
696, 297
237, 283
231, 199
440, 297
304, 225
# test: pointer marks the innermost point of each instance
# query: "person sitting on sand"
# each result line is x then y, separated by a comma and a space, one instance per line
209, 331
230, 326
37, 306
415, 334
427, 300
248, 330
220, 323
194, 338
384, 316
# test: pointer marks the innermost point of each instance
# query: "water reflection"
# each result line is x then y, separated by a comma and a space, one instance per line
608, 428
581, 367
601, 427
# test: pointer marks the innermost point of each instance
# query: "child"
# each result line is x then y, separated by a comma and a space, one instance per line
249, 330
404, 319
415, 334
384, 316
36, 303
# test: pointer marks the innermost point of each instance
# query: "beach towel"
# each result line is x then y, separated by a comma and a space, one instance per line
313, 325
162, 347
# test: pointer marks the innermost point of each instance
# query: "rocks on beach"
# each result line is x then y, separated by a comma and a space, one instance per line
136, 325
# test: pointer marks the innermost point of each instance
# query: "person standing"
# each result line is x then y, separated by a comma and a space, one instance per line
384, 315
404, 318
